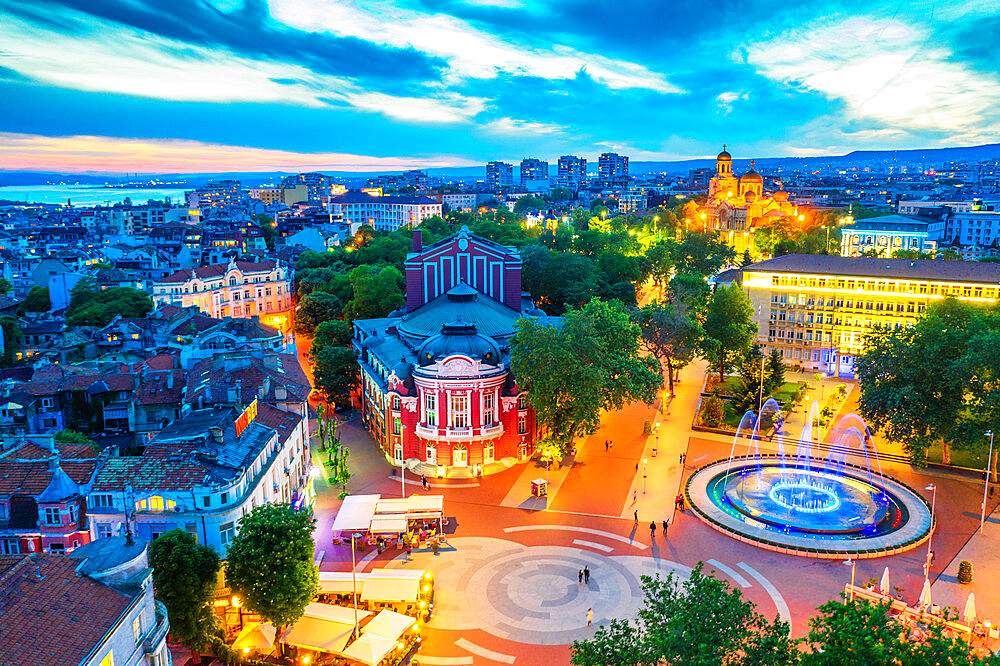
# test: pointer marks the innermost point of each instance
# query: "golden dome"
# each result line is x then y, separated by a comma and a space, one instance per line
751, 176
724, 156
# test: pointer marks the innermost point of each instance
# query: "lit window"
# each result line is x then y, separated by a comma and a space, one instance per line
137, 628
52, 516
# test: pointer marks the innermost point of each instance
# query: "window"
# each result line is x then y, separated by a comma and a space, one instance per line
10, 547
522, 424
489, 409
72, 513
224, 498
137, 629
103, 531
155, 503
3, 511
52, 516
48, 403
109, 660
397, 426
458, 411
395, 402
226, 533
206, 500
57, 549
522, 401
430, 409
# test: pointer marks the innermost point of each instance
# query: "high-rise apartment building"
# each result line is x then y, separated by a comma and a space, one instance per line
612, 168
532, 169
572, 174
499, 174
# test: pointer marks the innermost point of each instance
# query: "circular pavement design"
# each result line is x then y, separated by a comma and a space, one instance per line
530, 594
909, 535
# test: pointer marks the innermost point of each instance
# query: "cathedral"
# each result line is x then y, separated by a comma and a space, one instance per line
737, 206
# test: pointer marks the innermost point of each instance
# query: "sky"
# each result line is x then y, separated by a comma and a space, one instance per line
111, 86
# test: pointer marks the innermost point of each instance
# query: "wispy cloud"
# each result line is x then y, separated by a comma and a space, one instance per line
725, 100
470, 52
883, 71
512, 125
101, 154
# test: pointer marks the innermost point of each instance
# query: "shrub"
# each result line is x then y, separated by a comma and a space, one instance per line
647, 428
842, 389
965, 571
713, 412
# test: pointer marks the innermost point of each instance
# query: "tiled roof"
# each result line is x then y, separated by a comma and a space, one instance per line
212, 381
170, 472
154, 390
900, 269
49, 614
198, 323
215, 270
24, 469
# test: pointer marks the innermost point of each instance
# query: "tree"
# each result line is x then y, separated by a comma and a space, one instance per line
97, 307
37, 300
752, 375
703, 254
701, 621
528, 202
331, 333
660, 258
270, 563
335, 373
729, 327
13, 338
589, 363
915, 379
5, 286
692, 291
185, 575
72, 437
669, 334
377, 292
775, 371
314, 309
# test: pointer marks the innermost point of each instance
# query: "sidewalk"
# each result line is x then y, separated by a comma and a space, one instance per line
980, 550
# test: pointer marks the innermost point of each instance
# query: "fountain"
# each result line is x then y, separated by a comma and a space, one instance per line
810, 501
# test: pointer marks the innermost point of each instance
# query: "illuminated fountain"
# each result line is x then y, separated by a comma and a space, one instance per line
810, 500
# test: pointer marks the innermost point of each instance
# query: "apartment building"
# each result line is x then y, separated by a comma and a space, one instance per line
499, 175
239, 289
817, 309
612, 168
885, 235
572, 172
386, 213
532, 170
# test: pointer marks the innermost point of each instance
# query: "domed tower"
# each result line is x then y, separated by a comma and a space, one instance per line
751, 181
724, 163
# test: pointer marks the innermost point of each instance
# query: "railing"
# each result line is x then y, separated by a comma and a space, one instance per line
156, 635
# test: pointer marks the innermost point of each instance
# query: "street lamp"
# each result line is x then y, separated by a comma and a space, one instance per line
930, 536
851, 562
986, 476
644, 461
354, 582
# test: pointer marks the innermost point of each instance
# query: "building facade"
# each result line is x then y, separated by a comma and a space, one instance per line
385, 213
612, 169
499, 175
885, 235
533, 170
817, 309
437, 386
572, 174
239, 289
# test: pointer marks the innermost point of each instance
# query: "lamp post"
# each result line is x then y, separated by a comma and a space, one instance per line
402, 464
852, 562
644, 461
354, 583
927, 565
986, 476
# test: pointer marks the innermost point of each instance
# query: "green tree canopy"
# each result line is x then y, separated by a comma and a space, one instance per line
72, 437
703, 254
270, 563
693, 291
37, 300
377, 292
314, 309
97, 307
334, 332
660, 260
670, 334
5, 285
184, 580
13, 338
588, 364
336, 372
729, 327
701, 621
528, 202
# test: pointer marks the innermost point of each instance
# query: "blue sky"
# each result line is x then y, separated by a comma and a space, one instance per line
120, 85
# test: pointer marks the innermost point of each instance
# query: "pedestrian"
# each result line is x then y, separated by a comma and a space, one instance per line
637, 467
680, 458
423, 481
409, 548
579, 577
652, 530
665, 525
636, 514
606, 446
590, 616
586, 575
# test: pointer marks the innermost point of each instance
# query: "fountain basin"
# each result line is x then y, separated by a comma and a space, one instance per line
807, 509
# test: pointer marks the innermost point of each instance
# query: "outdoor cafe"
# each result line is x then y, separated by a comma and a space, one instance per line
406, 591
390, 521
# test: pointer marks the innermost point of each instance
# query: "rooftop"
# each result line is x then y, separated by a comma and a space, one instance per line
903, 269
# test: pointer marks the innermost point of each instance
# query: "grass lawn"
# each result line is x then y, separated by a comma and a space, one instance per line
973, 459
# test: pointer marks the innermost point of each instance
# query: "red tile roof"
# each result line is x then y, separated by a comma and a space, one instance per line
24, 470
215, 270
154, 389
151, 472
50, 614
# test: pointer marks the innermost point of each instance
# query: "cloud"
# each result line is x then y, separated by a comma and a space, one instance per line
887, 73
470, 52
103, 154
114, 59
725, 100
512, 126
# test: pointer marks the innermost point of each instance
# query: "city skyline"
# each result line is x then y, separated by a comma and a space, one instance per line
295, 85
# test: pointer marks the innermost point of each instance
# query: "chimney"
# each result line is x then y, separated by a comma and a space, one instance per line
216, 434
418, 240
170, 379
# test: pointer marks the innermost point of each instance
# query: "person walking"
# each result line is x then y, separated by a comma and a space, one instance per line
652, 530
636, 514
665, 525
586, 575
590, 616
423, 481
607, 447
579, 577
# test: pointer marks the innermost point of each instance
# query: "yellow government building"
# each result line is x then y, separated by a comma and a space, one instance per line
737, 206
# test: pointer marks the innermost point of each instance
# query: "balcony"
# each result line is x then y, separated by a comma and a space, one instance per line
157, 635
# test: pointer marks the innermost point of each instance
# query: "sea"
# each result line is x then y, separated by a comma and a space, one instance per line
87, 195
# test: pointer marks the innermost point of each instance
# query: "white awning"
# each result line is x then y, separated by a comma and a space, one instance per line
415, 574
369, 649
388, 524
379, 588
392, 506
388, 624
355, 513
425, 503
317, 634
334, 613
340, 582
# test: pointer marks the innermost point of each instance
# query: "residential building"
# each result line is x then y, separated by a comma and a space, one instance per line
202, 473
572, 174
612, 169
318, 185
974, 230
234, 379
437, 387
465, 202
94, 608
386, 213
885, 235
534, 170
216, 194
42, 489
235, 289
499, 175
817, 309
